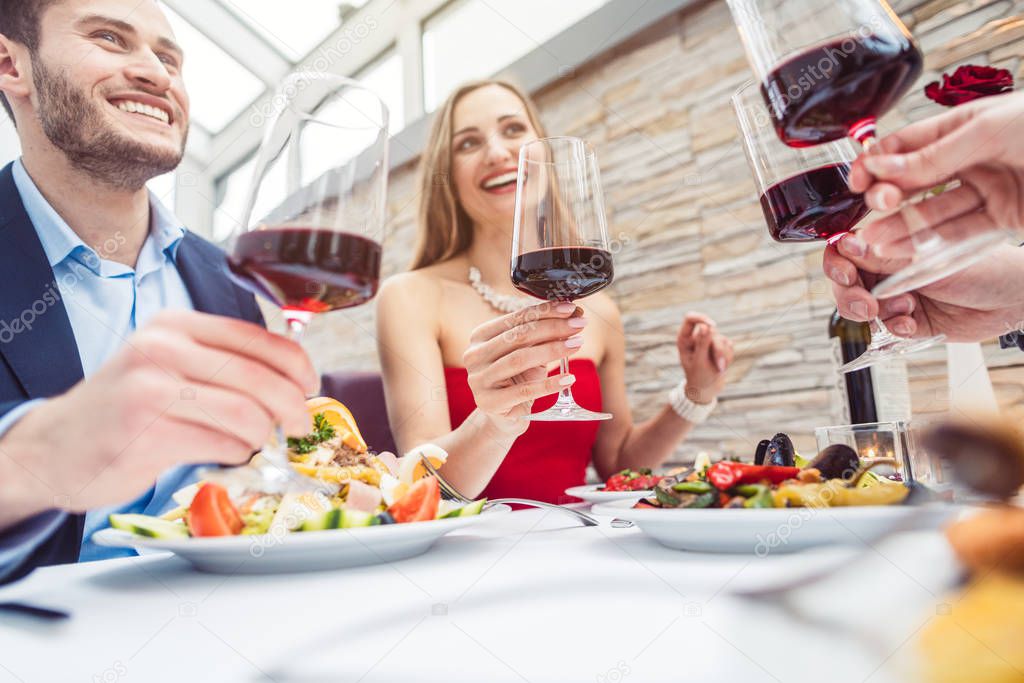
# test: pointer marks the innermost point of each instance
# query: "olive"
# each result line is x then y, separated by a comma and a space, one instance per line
837, 461
780, 452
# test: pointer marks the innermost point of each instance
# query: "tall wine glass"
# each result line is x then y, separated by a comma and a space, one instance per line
805, 196
560, 248
315, 216
829, 70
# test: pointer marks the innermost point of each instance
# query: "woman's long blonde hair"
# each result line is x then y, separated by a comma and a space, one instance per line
445, 229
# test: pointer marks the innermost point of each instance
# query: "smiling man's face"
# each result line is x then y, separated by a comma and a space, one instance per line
108, 89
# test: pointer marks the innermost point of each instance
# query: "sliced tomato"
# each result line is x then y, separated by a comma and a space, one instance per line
212, 513
419, 504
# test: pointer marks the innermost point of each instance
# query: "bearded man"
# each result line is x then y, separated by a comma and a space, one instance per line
127, 355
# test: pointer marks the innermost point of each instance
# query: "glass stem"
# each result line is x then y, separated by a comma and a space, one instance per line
880, 334
566, 393
296, 322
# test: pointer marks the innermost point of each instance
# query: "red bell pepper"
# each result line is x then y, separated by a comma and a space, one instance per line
724, 475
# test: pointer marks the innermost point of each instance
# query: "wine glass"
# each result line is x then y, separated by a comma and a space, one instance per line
315, 218
560, 248
829, 70
805, 196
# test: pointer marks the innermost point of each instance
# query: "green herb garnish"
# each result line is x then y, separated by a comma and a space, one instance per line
322, 431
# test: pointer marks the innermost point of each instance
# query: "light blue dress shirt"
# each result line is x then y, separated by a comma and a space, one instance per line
106, 302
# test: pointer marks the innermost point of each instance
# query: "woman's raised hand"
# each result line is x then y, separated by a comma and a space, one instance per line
705, 354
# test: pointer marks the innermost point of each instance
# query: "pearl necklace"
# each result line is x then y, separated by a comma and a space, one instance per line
505, 303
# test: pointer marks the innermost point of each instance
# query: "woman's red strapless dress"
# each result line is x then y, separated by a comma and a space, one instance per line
550, 456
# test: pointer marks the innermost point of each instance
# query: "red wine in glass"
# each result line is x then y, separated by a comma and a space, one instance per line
562, 273
816, 204
840, 88
307, 269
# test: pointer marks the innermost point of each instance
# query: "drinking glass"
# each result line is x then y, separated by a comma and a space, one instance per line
829, 70
315, 217
560, 247
805, 196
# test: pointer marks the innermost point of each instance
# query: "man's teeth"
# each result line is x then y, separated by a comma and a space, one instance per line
139, 108
509, 177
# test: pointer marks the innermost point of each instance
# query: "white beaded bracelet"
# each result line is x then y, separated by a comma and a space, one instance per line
687, 409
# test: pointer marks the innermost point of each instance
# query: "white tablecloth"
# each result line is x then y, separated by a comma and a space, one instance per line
527, 597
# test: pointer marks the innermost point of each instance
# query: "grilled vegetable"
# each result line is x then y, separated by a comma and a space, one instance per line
724, 475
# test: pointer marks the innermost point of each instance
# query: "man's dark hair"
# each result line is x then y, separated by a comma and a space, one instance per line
20, 20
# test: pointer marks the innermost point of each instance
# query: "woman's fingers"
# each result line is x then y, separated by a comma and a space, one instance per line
721, 352
530, 358
506, 399
522, 336
524, 317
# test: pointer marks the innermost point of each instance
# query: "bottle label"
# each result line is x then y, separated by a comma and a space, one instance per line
837, 391
892, 390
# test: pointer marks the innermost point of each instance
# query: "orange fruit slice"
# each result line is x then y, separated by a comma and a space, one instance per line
339, 417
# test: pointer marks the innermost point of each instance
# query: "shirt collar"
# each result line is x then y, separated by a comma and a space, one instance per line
60, 242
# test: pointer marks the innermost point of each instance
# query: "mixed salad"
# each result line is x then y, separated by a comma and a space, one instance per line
373, 488
779, 478
631, 480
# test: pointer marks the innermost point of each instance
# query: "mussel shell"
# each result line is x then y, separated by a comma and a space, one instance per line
781, 451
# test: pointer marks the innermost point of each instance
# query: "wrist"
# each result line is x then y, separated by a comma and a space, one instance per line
24, 494
498, 428
702, 396
685, 407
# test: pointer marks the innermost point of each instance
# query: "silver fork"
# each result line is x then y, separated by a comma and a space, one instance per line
453, 493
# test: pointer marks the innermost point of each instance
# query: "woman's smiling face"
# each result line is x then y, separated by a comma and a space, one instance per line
490, 125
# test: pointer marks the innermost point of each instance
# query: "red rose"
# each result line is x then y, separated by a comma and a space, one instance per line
968, 83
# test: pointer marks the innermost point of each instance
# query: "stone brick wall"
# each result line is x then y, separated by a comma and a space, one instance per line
681, 198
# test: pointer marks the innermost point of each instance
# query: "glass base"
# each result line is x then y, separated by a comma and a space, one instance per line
932, 266
890, 349
566, 410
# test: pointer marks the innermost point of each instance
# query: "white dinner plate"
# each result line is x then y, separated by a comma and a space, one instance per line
591, 494
303, 551
775, 530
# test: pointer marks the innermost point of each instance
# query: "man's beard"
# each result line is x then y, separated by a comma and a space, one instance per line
76, 127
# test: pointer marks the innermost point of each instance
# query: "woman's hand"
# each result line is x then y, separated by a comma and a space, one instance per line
705, 355
508, 357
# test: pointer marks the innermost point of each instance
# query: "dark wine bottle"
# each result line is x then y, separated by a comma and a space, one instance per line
879, 393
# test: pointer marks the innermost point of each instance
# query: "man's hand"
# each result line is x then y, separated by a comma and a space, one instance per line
980, 143
981, 302
189, 388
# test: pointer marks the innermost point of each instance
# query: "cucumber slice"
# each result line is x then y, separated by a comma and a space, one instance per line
150, 527
353, 519
328, 520
467, 510
338, 518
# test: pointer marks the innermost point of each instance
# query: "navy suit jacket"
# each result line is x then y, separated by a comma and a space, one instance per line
43, 361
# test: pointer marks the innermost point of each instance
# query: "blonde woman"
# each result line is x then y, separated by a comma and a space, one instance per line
464, 356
